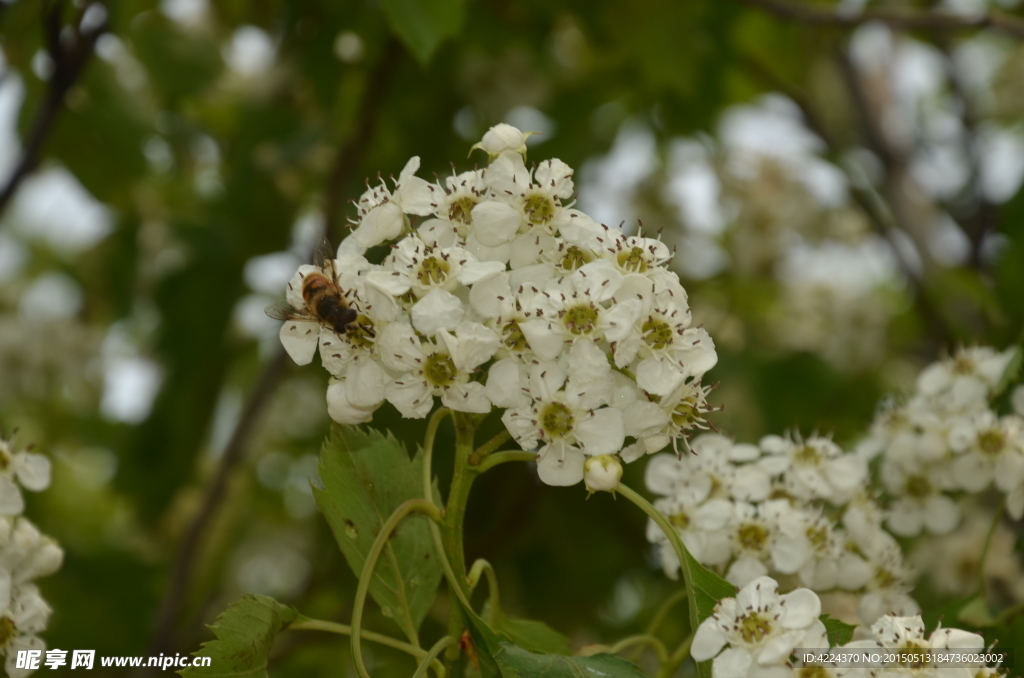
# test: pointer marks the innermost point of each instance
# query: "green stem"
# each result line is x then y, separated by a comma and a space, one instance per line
662, 522
431, 658
677, 658
379, 638
504, 457
428, 449
411, 506
490, 446
641, 640
451, 528
660, 615
984, 550
482, 566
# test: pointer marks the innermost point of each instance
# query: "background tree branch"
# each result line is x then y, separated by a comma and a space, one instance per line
69, 50
902, 18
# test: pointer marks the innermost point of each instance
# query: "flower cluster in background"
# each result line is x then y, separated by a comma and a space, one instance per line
759, 631
25, 555
947, 440
794, 508
806, 511
503, 295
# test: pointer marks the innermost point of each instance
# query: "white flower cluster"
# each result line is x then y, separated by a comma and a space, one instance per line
755, 634
25, 555
504, 296
947, 440
788, 507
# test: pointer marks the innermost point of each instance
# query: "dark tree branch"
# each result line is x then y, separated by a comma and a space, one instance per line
903, 18
874, 206
362, 131
348, 158
69, 50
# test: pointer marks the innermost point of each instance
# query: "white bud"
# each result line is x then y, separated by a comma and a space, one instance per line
503, 137
602, 473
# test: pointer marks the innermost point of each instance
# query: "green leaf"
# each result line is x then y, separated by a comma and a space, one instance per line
533, 635
704, 589
422, 26
839, 632
245, 634
1011, 371
976, 613
515, 662
366, 476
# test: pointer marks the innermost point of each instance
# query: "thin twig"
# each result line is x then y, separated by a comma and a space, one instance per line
362, 132
69, 51
349, 156
903, 18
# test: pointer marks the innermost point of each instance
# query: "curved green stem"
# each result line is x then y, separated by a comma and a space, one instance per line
504, 457
984, 550
662, 522
428, 449
482, 566
487, 448
677, 658
379, 638
641, 640
431, 658
411, 506
660, 615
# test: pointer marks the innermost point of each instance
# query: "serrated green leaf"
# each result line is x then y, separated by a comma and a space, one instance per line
515, 662
839, 632
245, 634
533, 635
422, 26
366, 476
704, 590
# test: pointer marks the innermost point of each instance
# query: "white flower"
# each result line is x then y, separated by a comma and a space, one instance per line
700, 524
815, 468
989, 440
427, 367
23, 614
761, 629
382, 212
30, 470
503, 137
919, 503
568, 420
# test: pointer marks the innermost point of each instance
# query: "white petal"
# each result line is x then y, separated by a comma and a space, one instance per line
410, 397
599, 280
341, 410
468, 397
733, 663
484, 252
299, 339
708, 641
382, 223
603, 432
542, 337
644, 418
941, 515
438, 310
588, 363
33, 471
619, 321
560, 467
659, 377
505, 384
364, 383
491, 297
474, 271
761, 592
556, 176
802, 608
745, 570
392, 282
437, 233
400, 348
11, 501
495, 223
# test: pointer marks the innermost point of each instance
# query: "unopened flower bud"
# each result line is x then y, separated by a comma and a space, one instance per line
602, 473
503, 137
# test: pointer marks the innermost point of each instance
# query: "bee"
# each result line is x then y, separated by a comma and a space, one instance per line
325, 301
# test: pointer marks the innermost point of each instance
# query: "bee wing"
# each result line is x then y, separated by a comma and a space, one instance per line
323, 253
282, 310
